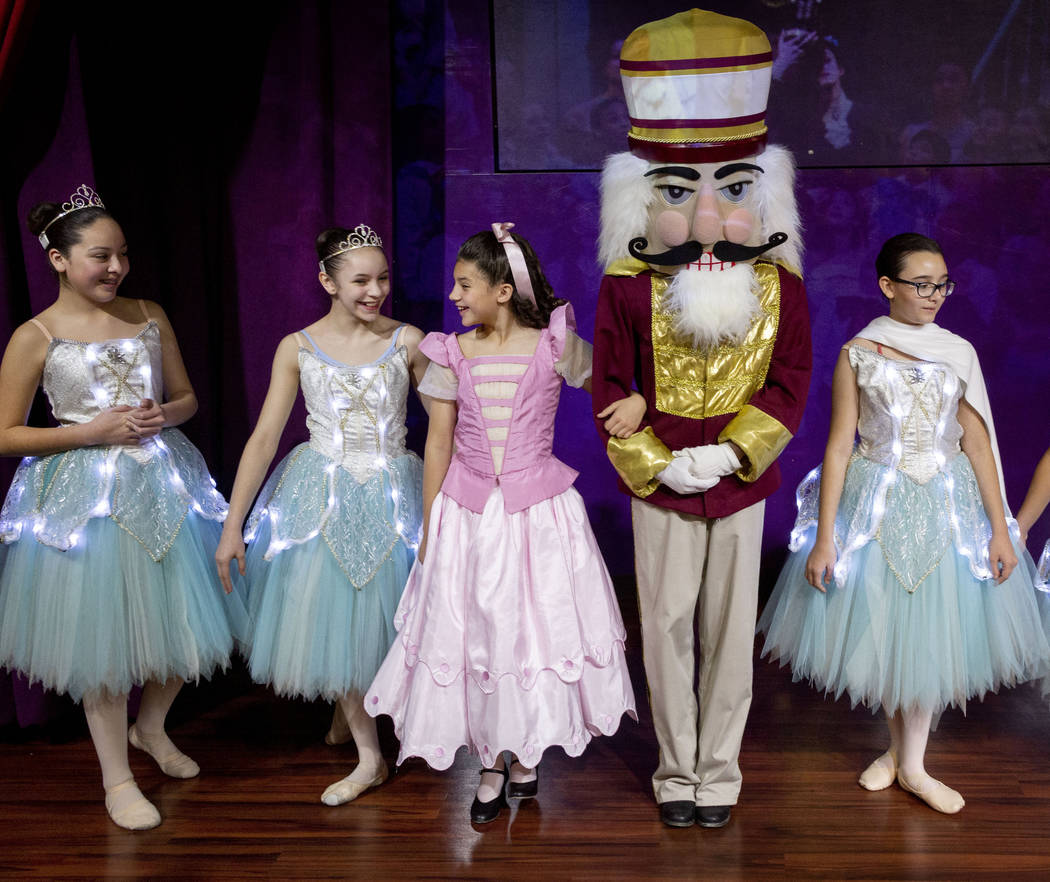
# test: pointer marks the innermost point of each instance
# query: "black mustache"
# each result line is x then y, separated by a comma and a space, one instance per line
688, 252
730, 252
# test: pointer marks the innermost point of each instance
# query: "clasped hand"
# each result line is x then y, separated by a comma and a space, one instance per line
125, 425
698, 469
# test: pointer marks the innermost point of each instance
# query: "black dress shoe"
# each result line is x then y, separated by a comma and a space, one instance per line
483, 812
678, 813
524, 789
712, 815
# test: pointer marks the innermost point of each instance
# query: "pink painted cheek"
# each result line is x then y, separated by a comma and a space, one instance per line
739, 226
672, 228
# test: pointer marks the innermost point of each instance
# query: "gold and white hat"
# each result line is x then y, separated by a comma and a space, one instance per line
696, 85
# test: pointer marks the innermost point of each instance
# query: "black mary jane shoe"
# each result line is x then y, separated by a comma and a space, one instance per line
484, 812
524, 789
713, 815
678, 812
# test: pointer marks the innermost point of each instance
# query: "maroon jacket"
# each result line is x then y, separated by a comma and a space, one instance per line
624, 358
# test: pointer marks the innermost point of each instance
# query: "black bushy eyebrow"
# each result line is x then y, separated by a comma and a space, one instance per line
681, 171
734, 167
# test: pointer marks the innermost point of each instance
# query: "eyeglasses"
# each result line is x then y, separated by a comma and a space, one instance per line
926, 290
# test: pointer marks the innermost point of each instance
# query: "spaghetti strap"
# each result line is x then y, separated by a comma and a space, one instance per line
321, 354
44, 330
145, 312
399, 335
310, 340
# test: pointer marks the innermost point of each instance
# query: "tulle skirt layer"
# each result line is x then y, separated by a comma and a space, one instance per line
509, 637
104, 615
323, 592
313, 633
953, 638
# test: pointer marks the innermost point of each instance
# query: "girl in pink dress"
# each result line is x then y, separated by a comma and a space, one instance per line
509, 636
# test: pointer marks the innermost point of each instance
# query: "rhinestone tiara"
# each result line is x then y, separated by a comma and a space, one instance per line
362, 236
82, 197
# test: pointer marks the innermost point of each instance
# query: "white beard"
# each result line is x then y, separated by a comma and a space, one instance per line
712, 306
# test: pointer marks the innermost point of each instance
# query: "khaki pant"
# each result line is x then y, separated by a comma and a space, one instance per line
703, 570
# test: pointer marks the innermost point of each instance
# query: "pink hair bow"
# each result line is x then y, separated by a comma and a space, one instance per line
518, 268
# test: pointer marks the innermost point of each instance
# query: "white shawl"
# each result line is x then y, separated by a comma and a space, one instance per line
933, 343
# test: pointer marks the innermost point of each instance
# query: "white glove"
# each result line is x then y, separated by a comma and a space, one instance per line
711, 461
680, 478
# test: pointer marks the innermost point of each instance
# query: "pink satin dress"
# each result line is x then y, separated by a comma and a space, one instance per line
509, 635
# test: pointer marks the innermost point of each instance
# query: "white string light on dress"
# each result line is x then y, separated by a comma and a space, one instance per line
12, 531
107, 470
889, 475
1043, 578
278, 544
977, 557
802, 525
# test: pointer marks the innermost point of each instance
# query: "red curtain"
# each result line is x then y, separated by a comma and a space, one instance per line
15, 18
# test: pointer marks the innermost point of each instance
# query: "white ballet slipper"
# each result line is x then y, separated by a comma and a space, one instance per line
935, 794
139, 814
880, 774
174, 765
347, 790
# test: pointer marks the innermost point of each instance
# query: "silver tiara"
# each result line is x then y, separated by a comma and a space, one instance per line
82, 197
362, 236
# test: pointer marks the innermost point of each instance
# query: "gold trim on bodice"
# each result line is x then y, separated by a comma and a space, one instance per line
698, 383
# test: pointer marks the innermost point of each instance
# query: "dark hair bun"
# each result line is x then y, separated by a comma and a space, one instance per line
40, 215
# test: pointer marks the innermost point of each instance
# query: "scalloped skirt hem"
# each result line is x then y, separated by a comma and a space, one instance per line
433, 721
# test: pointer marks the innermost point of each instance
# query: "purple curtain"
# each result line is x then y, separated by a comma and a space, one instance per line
223, 146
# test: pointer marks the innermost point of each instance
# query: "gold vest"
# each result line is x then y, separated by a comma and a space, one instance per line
698, 383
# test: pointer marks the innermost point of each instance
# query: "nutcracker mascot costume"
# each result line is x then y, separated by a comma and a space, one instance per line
703, 311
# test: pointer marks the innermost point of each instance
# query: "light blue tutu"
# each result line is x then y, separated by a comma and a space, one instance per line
327, 562
907, 623
108, 576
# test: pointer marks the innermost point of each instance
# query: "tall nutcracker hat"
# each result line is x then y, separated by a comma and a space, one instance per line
696, 85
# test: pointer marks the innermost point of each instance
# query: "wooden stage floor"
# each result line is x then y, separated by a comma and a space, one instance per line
255, 810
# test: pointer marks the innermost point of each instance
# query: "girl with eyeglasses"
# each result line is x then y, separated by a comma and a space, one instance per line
904, 588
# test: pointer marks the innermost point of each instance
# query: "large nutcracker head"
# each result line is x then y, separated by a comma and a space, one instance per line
700, 195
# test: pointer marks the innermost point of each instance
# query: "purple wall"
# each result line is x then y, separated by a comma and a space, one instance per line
991, 220
224, 170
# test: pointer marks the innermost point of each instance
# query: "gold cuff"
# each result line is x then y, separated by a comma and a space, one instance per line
760, 436
639, 459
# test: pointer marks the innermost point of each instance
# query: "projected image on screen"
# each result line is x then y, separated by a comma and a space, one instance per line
855, 82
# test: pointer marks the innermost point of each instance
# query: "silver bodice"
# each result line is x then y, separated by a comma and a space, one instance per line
906, 486
148, 487
83, 379
908, 413
356, 413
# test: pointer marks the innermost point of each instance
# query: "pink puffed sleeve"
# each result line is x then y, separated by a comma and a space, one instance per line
439, 380
572, 355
